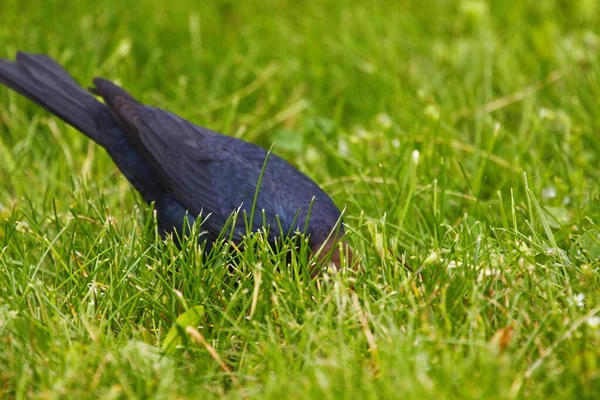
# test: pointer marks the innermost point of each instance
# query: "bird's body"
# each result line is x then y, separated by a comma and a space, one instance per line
185, 170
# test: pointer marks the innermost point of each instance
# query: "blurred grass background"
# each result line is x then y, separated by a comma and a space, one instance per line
462, 136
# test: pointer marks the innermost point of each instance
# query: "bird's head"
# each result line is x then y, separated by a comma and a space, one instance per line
332, 251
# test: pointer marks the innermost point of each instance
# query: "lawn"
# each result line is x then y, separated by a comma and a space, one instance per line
462, 138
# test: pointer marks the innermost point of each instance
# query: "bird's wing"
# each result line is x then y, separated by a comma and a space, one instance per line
202, 173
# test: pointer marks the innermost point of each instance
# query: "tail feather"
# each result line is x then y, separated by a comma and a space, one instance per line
45, 82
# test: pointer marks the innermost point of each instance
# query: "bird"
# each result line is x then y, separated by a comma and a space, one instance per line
188, 172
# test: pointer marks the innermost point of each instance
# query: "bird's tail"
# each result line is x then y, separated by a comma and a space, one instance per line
45, 82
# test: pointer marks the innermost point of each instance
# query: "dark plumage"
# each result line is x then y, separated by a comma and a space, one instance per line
186, 170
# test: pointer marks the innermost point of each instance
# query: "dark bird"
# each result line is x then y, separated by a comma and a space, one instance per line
185, 170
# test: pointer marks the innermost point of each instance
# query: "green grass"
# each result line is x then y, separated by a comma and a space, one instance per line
463, 137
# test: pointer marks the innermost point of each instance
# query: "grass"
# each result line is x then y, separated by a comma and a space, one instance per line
461, 136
